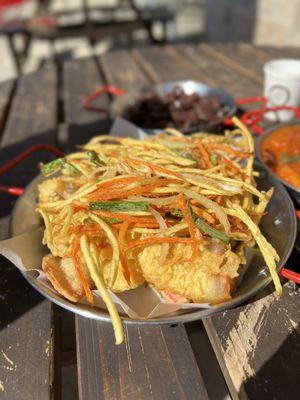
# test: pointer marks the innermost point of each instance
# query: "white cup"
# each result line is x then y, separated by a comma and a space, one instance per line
282, 87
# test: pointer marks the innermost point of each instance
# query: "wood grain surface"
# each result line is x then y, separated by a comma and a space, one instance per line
257, 346
153, 363
6, 89
26, 322
80, 78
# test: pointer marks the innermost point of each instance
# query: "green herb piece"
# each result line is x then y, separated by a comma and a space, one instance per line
209, 230
183, 154
176, 213
52, 167
214, 159
94, 158
110, 220
119, 206
106, 219
289, 159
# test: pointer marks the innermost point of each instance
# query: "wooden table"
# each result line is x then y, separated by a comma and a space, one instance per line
256, 345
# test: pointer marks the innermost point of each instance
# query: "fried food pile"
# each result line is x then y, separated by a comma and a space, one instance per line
173, 211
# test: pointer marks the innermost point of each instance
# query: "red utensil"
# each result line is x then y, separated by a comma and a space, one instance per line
86, 103
17, 191
253, 118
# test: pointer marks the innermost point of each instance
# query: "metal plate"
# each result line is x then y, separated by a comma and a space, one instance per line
278, 225
294, 192
120, 105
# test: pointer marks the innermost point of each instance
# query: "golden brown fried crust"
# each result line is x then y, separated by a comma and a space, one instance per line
206, 278
63, 276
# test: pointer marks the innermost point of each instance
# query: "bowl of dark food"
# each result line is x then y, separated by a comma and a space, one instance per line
188, 106
279, 150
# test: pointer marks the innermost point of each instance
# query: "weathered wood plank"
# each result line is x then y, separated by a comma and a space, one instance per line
33, 111
158, 65
236, 60
127, 78
219, 74
26, 328
282, 52
32, 119
6, 89
80, 78
253, 52
154, 363
258, 346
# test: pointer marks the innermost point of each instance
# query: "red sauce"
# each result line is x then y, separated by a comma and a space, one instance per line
281, 152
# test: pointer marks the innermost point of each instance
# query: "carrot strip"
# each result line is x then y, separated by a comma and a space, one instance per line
117, 194
229, 150
231, 166
203, 214
123, 258
153, 167
219, 199
78, 266
190, 222
77, 208
155, 240
120, 181
205, 156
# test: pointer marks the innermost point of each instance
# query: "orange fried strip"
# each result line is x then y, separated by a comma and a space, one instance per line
120, 181
203, 214
231, 166
123, 258
78, 266
117, 194
205, 156
190, 222
229, 150
153, 167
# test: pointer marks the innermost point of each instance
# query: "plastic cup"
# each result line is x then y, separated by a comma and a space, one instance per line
282, 87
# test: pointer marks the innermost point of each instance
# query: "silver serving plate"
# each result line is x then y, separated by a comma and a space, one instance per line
121, 104
294, 192
278, 225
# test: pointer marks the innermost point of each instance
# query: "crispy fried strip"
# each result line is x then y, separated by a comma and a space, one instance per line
100, 284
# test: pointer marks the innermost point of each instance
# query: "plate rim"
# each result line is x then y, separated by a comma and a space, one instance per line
194, 314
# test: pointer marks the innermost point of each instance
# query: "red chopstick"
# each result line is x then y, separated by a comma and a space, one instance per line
17, 191
86, 103
291, 275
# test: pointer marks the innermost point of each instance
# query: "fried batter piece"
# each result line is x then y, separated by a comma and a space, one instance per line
64, 278
136, 277
207, 278
63, 275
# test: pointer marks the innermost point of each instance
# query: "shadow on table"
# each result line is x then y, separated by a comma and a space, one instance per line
279, 376
16, 295
23, 173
